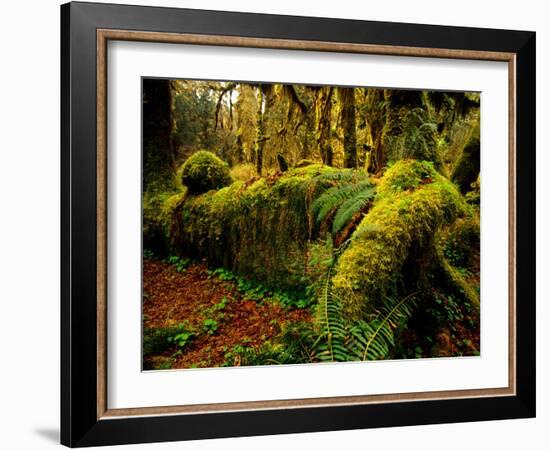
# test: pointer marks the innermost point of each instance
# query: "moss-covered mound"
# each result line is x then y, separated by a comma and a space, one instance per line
159, 226
260, 228
412, 203
304, 163
204, 171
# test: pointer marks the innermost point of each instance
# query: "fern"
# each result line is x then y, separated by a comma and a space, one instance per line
352, 206
362, 341
344, 199
341, 176
330, 344
375, 339
417, 139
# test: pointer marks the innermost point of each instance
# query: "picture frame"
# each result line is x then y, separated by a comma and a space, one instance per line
86, 418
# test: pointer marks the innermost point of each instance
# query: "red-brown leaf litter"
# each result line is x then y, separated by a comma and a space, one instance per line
172, 298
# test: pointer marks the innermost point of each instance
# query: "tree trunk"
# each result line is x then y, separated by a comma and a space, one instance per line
347, 100
260, 136
323, 113
376, 117
158, 154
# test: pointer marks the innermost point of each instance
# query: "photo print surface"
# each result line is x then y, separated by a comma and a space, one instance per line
296, 224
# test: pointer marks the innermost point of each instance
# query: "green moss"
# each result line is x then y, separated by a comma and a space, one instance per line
161, 220
412, 203
406, 175
243, 172
460, 242
260, 228
453, 280
304, 163
466, 169
204, 171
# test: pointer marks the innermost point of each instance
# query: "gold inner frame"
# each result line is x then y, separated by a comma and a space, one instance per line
103, 36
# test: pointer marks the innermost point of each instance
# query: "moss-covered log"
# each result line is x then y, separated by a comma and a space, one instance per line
259, 228
263, 228
412, 203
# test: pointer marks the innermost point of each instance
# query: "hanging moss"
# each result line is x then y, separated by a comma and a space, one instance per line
204, 171
412, 203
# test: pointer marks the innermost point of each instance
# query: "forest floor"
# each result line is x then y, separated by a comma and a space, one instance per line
204, 316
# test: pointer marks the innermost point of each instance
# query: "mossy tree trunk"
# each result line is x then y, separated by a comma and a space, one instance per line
260, 132
306, 142
159, 179
347, 101
158, 153
400, 102
323, 114
246, 109
376, 114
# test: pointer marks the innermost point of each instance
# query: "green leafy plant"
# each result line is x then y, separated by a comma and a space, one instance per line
259, 292
293, 347
156, 340
159, 340
180, 264
149, 254
210, 326
183, 336
220, 306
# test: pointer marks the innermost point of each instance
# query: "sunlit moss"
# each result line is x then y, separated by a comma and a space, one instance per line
260, 228
413, 201
204, 171
243, 172
304, 163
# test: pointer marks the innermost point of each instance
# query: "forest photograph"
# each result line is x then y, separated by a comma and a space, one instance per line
297, 224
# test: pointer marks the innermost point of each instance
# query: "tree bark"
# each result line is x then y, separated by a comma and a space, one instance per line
260, 137
376, 117
158, 154
347, 101
323, 113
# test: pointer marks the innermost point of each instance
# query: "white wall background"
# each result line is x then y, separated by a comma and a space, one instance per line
29, 224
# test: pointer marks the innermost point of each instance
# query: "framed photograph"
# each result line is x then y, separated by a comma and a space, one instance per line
276, 224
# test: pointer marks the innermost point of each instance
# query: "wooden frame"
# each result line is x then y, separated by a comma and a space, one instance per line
86, 419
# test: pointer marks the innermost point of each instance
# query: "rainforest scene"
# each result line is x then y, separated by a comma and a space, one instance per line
294, 224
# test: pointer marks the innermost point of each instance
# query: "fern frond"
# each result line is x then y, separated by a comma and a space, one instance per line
335, 196
339, 340
342, 176
330, 345
350, 207
379, 332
